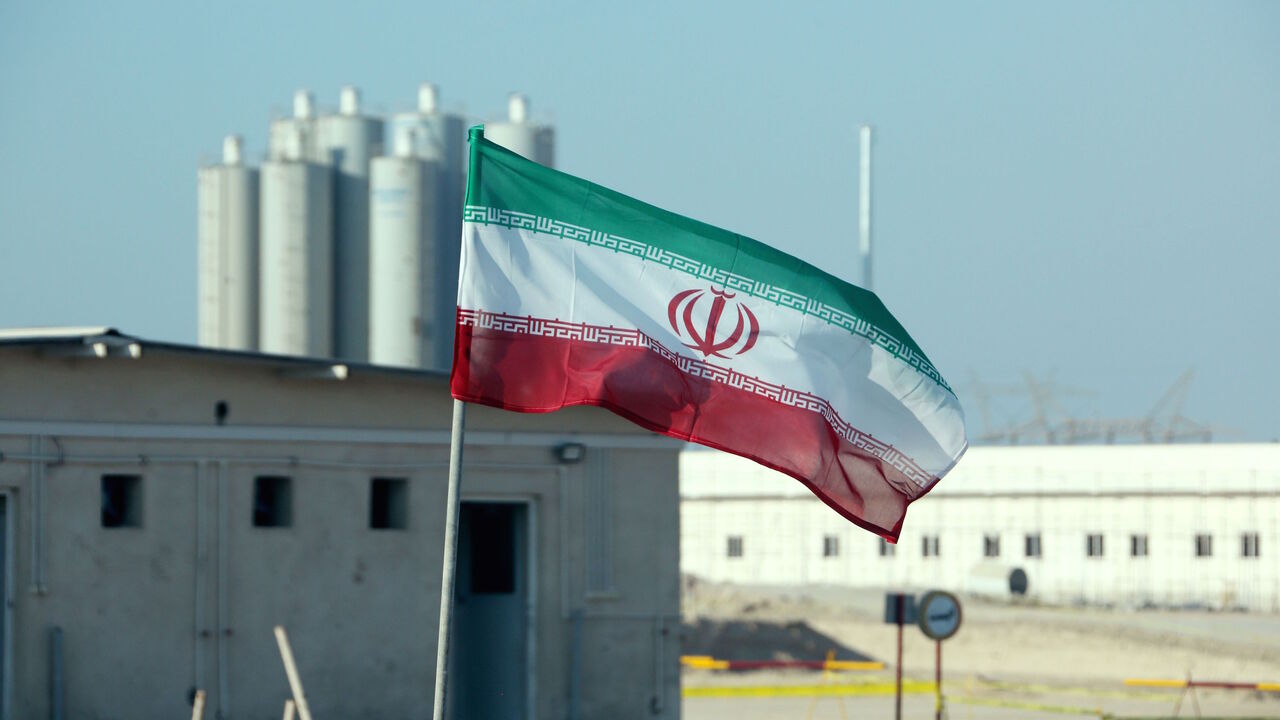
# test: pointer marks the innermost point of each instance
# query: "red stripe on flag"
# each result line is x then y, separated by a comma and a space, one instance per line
531, 373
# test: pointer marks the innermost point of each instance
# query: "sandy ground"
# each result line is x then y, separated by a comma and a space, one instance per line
1006, 660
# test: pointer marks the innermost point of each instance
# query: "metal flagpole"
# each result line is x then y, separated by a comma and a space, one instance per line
448, 570
448, 573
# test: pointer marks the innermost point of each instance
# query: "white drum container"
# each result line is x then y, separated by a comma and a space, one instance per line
997, 581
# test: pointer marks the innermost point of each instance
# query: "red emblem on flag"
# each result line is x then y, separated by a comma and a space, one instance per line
712, 340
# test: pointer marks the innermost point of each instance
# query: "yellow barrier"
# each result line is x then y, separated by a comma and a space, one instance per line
704, 662
852, 665
1141, 682
1201, 684
707, 662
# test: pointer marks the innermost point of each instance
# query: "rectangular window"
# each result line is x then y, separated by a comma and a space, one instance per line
1032, 545
1249, 546
991, 546
272, 501
121, 501
929, 548
1093, 545
830, 546
1137, 546
735, 546
388, 503
1204, 545
887, 549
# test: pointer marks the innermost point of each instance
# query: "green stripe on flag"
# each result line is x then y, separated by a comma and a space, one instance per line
539, 198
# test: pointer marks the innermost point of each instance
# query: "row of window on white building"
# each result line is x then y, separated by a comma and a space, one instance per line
1094, 546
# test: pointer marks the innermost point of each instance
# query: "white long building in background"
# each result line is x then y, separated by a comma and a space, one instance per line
1132, 525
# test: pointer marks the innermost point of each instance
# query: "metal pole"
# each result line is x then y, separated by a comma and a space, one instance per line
447, 572
897, 707
864, 205
937, 680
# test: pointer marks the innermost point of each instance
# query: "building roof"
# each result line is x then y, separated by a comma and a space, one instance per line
100, 382
102, 341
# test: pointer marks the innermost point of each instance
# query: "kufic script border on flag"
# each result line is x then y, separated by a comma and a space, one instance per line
586, 332
779, 296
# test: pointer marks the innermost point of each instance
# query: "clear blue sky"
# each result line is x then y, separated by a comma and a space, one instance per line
1086, 187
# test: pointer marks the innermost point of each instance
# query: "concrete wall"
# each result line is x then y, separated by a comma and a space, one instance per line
189, 598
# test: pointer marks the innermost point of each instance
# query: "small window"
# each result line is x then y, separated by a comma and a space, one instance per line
1093, 545
887, 549
1032, 545
1137, 546
1249, 545
830, 546
991, 546
121, 501
929, 546
272, 501
1204, 545
388, 503
735, 546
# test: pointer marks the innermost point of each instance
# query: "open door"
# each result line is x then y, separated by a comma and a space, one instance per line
488, 658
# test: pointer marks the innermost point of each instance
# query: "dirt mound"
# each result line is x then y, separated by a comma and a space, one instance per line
761, 640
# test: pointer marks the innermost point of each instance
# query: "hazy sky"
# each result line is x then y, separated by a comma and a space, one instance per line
1091, 188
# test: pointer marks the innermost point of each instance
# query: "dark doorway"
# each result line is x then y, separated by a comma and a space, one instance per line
488, 655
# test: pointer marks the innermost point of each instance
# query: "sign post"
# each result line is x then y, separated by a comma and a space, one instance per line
939, 619
899, 609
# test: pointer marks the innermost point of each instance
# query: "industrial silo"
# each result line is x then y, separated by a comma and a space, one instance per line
295, 137
411, 294
438, 138
227, 281
296, 261
519, 135
347, 141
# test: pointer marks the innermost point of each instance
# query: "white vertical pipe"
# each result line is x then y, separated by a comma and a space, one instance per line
864, 206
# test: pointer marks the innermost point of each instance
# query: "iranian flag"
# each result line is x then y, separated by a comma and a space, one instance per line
573, 294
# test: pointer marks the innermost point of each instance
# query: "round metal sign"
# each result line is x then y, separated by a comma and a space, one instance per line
939, 614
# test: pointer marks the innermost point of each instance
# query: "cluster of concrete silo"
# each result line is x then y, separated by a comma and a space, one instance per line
335, 249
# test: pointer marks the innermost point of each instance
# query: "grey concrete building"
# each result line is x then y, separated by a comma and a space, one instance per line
163, 506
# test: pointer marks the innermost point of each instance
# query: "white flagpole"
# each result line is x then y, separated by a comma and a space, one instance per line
448, 572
